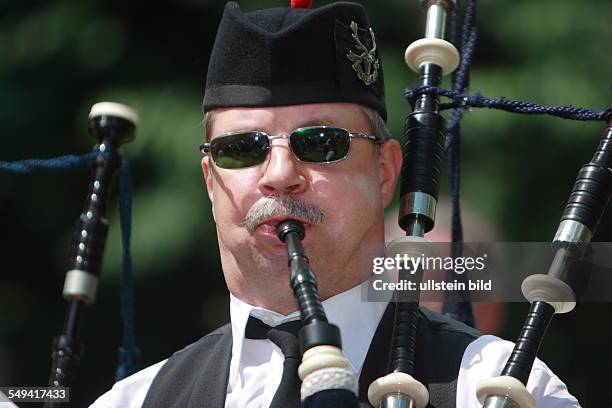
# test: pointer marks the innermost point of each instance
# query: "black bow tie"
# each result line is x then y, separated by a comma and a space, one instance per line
285, 337
258, 330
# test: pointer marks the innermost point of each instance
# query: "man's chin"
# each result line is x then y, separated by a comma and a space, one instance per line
271, 260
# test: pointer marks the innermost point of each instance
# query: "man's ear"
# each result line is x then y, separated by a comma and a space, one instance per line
208, 176
390, 160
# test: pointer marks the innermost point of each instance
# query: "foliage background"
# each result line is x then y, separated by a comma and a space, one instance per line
59, 57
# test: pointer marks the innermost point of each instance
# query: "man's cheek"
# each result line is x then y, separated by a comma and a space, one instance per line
224, 211
232, 198
367, 191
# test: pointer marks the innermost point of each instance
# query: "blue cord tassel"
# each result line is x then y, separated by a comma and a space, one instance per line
129, 353
460, 310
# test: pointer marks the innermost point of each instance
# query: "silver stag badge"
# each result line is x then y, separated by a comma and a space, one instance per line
365, 64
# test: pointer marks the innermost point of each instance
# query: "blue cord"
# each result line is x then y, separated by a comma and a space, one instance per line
479, 101
459, 309
57, 163
129, 353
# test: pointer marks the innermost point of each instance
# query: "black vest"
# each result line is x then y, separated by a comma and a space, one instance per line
196, 376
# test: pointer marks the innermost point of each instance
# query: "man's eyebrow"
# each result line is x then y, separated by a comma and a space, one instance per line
323, 120
242, 129
316, 121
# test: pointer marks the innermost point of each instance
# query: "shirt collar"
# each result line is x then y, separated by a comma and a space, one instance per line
359, 325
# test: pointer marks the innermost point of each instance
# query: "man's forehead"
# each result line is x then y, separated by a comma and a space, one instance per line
285, 118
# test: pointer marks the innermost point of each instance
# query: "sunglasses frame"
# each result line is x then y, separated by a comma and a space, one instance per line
205, 148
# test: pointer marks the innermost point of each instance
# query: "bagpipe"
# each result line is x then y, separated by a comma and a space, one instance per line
326, 382
111, 125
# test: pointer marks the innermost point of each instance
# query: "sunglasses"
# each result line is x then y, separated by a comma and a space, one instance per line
315, 144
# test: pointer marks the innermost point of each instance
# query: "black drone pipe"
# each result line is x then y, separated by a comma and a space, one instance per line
431, 57
112, 125
550, 294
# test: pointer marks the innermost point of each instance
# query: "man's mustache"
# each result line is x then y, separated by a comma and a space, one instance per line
282, 206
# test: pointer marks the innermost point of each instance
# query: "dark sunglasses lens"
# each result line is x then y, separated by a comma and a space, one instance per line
239, 150
320, 145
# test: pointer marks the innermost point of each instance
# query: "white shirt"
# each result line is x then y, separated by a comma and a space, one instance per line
5, 402
256, 365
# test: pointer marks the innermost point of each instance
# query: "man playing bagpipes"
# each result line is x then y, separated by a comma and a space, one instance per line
295, 130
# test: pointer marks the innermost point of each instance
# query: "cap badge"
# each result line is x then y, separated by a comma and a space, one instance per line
365, 64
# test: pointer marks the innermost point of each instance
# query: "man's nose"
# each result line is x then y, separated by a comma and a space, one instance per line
282, 173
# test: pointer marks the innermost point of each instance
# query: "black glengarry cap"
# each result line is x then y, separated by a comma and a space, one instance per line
289, 56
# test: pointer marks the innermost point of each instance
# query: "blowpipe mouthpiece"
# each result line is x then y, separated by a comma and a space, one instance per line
290, 226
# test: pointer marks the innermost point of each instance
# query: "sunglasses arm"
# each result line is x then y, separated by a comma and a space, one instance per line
366, 136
